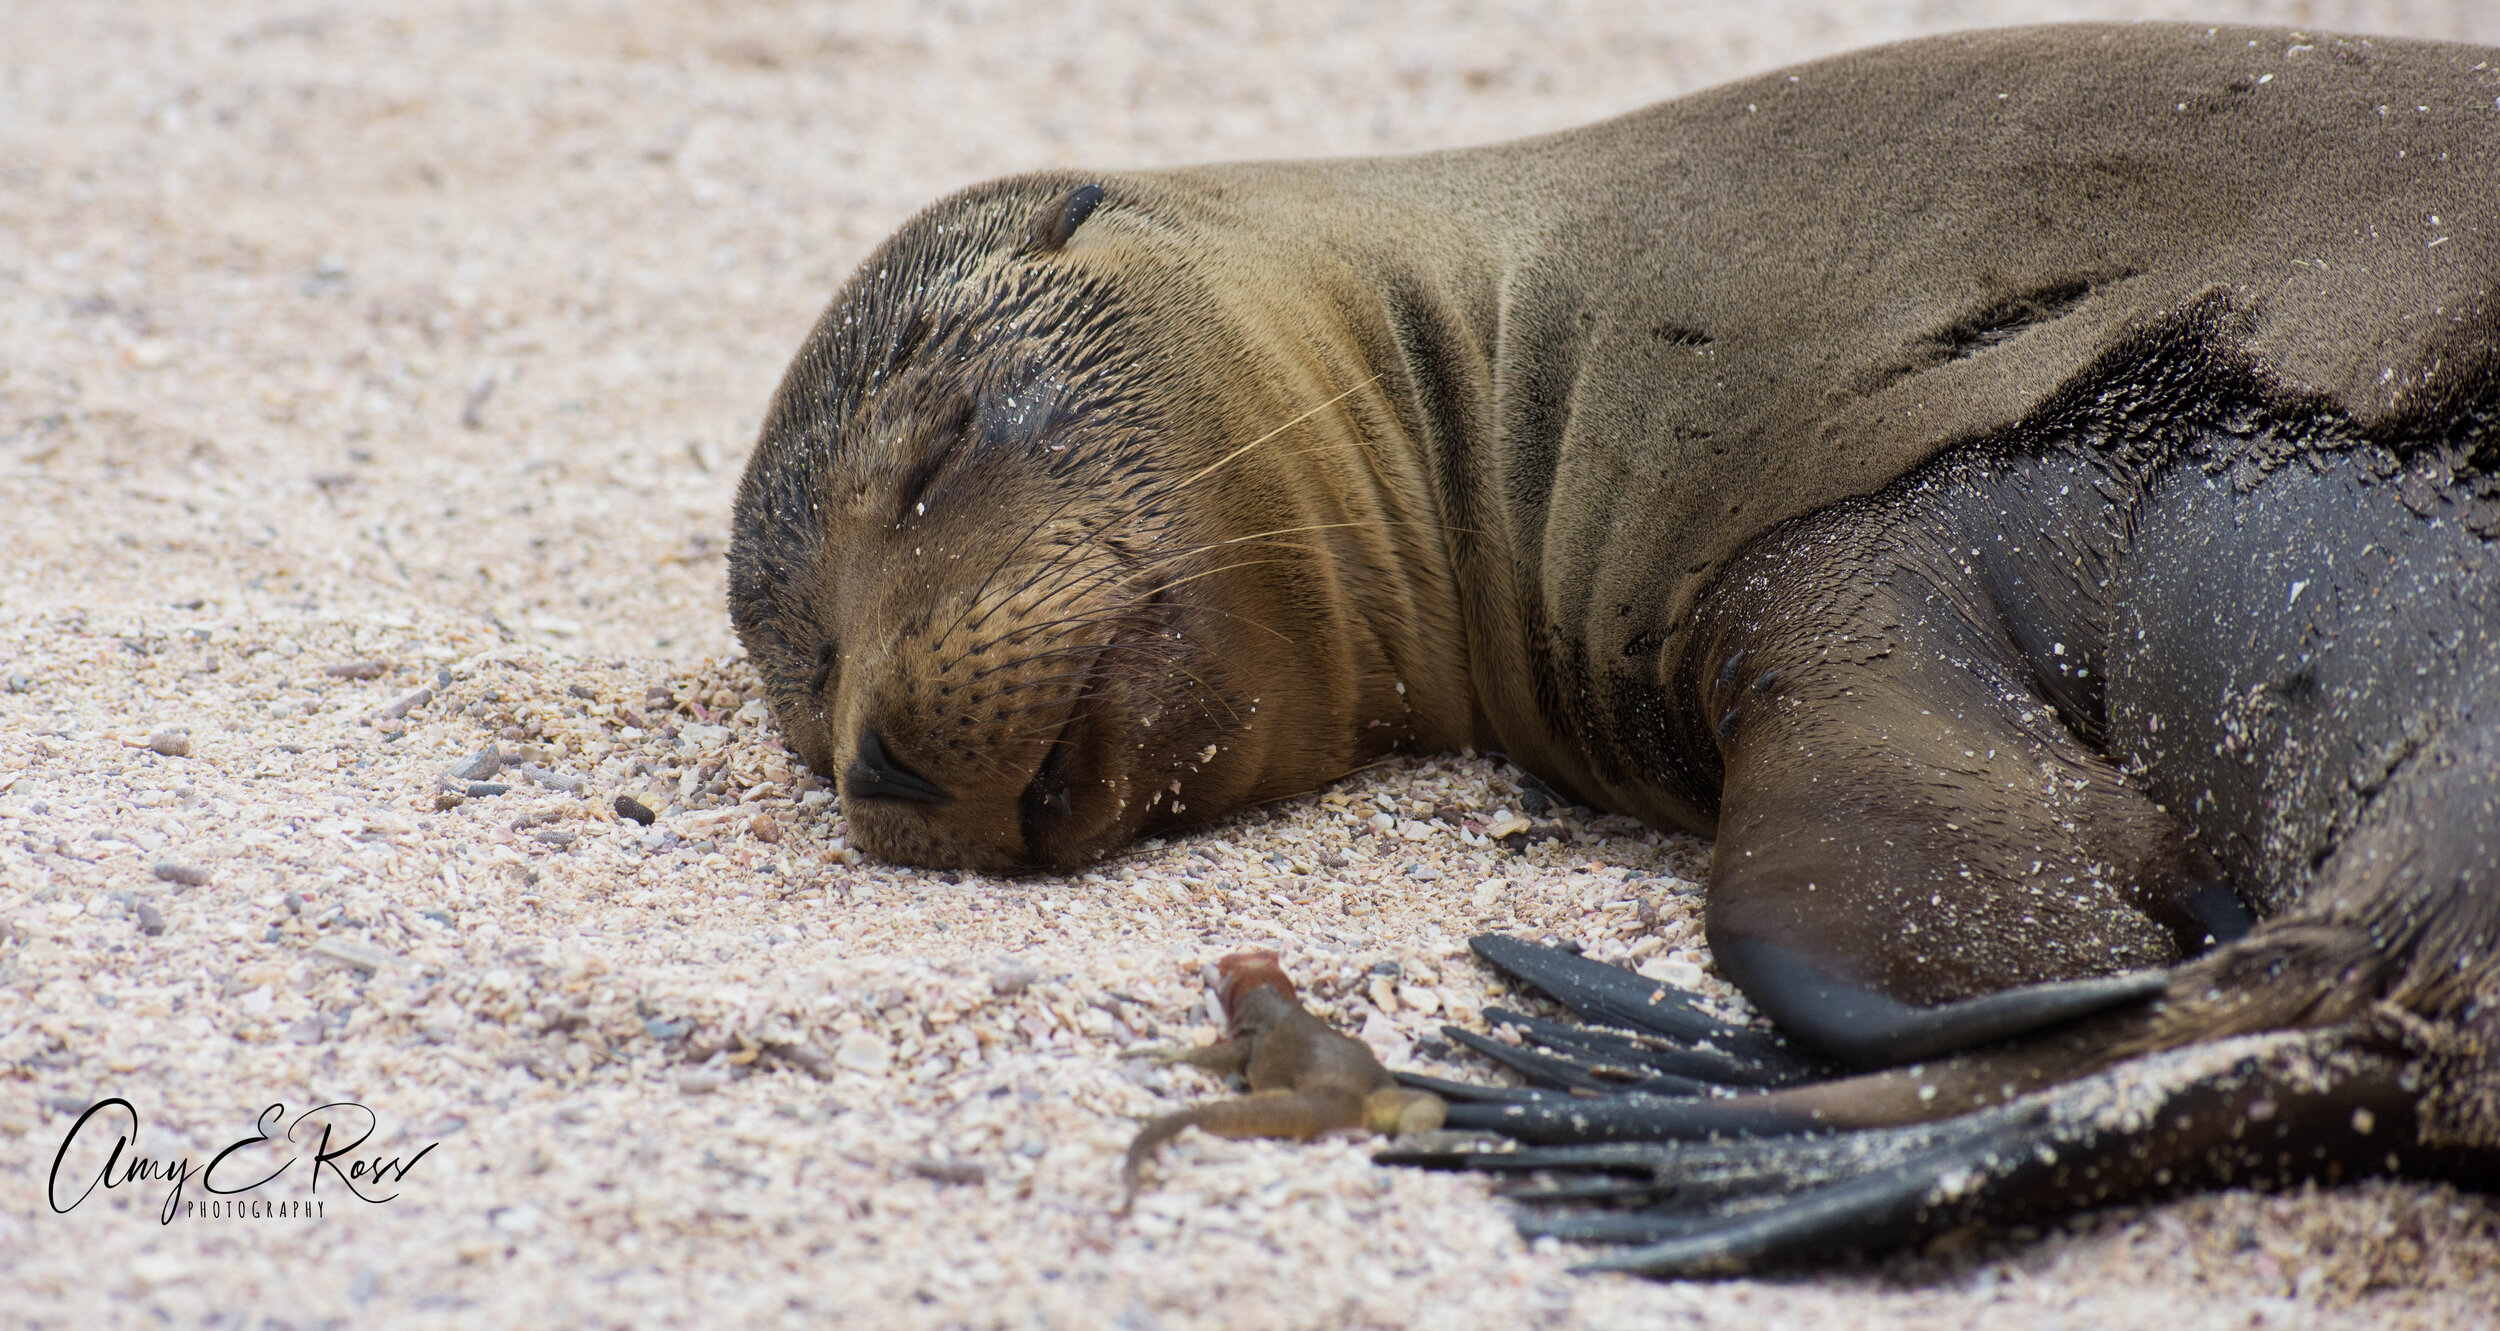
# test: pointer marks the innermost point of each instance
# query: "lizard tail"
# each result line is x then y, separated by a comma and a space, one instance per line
1299, 1115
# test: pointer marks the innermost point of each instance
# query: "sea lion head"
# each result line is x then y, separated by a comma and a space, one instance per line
1010, 561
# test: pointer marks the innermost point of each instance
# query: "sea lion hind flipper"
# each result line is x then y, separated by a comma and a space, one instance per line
1461, 1092
1628, 1057
1576, 1068
2260, 1109
1679, 1187
1634, 1116
1869, 1029
1612, 996
1635, 1158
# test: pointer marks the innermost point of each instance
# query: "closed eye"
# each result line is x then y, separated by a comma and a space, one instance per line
824, 667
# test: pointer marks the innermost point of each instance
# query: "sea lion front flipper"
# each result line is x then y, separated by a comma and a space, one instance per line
1917, 852
1666, 1044
1874, 1030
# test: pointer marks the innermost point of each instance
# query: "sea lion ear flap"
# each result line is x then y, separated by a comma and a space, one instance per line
1060, 218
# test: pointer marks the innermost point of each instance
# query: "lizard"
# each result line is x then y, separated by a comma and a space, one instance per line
1305, 1079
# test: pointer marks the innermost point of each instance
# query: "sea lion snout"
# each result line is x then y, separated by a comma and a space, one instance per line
874, 774
1002, 736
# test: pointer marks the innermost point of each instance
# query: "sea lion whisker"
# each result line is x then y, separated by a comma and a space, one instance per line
1135, 503
1077, 587
1316, 451
1055, 705
1226, 460
1141, 564
1045, 658
1128, 613
1115, 566
1209, 573
1118, 618
1237, 617
1073, 581
1168, 661
1052, 726
1124, 599
1068, 571
1161, 558
1256, 537
1057, 630
1259, 536
1205, 573
985, 602
1075, 614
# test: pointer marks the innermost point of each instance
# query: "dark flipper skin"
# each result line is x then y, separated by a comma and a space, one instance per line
2016, 757
1612, 996
1872, 1029
2262, 1110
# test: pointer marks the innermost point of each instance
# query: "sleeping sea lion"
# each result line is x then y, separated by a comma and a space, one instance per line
2029, 494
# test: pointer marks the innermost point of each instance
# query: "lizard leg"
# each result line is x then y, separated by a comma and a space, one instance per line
1224, 1058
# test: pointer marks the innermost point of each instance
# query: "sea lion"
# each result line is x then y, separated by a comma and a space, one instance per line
2028, 493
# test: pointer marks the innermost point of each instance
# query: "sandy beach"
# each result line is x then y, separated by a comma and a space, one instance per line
373, 386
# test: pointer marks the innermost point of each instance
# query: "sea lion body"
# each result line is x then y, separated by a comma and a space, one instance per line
1834, 461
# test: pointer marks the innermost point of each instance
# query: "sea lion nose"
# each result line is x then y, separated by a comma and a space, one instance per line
873, 774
